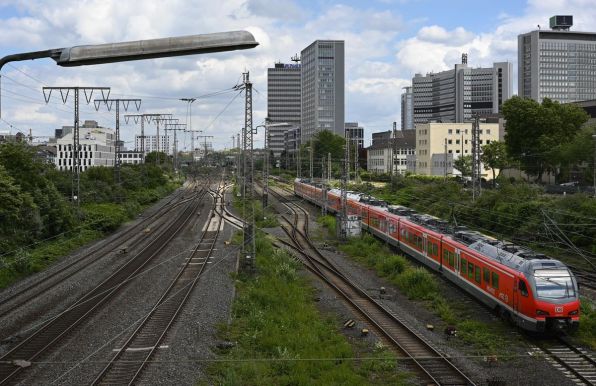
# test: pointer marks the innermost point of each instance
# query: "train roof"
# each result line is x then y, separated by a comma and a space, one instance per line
515, 257
512, 256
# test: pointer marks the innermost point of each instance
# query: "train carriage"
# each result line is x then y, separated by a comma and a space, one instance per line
536, 292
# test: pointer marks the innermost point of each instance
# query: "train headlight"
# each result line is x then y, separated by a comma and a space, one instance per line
541, 313
574, 312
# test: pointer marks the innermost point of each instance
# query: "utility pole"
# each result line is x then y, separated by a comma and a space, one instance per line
356, 148
142, 118
445, 166
117, 143
394, 152
192, 138
347, 155
266, 168
175, 127
248, 245
312, 176
298, 163
343, 220
165, 118
204, 146
328, 168
76, 155
476, 172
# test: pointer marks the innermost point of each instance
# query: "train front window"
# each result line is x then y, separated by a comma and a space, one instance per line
554, 284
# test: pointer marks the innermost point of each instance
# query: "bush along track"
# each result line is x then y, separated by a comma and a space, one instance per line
419, 285
280, 338
38, 225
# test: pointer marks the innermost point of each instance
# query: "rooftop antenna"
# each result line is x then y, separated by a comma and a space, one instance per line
464, 58
295, 58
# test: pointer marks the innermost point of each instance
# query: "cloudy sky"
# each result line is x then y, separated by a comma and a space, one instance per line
386, 41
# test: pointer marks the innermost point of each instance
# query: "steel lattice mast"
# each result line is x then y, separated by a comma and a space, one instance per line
117, 142
76, 156
248, 245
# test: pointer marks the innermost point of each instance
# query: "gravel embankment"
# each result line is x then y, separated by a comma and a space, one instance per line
190, 339
523, 370
56, 299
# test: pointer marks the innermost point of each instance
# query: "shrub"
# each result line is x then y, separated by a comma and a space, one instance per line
417, 283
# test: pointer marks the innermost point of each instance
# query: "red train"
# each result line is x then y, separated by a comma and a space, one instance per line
536, 292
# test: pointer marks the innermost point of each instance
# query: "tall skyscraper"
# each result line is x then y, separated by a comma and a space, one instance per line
407, 109
558, 64
454, 95
283, 102
322, 88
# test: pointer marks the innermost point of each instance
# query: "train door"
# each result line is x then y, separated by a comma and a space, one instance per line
457, 261
425, 244
515, 296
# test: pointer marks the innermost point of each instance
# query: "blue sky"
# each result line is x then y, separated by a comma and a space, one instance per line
387, 41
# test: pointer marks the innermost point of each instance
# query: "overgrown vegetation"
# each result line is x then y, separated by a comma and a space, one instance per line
263, 218
280, 338
39, 224
418, 284
587, 325
518, 212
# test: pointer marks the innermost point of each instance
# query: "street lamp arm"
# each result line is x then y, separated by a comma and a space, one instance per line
141, 49
53, 53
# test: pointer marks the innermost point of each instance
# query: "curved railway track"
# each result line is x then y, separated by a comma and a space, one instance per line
32, 290
433, 366
15, 361
576, 363
128, 363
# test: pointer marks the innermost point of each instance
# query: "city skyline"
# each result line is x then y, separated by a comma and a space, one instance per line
386, 43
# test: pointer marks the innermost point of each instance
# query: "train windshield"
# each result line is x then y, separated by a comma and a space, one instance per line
554, 283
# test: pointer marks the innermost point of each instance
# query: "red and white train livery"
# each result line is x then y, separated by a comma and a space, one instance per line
538, 293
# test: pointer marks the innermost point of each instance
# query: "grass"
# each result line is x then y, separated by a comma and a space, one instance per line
263, 218
99, 220
282, 339
587, 325
418, 284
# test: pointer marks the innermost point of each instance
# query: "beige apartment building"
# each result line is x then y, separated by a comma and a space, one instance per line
432, 139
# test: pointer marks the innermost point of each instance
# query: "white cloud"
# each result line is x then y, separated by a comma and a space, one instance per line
380, 57
437, 34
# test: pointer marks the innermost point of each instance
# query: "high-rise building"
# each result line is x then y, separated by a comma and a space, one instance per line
322, 88
407, 109
454, 95
558, 63
165, 144
283, 103
355, 133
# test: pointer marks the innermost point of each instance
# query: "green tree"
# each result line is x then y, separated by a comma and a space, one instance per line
18, 213
577, 153
323, 143
494, 156
464, 165
536, 132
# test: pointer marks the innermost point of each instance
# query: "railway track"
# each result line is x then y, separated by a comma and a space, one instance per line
432, 366
130, 238
576, 363
127, 364
19, 358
